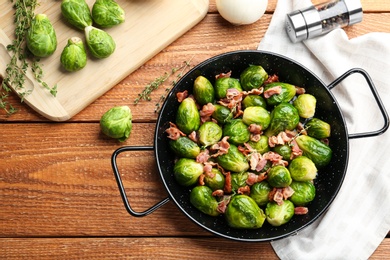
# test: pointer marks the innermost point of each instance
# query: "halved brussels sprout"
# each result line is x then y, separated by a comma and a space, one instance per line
209, 133
41, 37
217, 181
74, 56
302, 169
287, 94
317, 128
222, 114
107, 13
201, 198
117, 123
259, 193
304, 192
254, 100
243, 212
238, 180
317, 151
253, 77
260, 146
184, 147
100, 43
77, 13
223, 84
279, 177
187, 171
256, 115
234, 160
237, 131
306, 105
278, 215
283, 150
203, 91
284, 117
187, 116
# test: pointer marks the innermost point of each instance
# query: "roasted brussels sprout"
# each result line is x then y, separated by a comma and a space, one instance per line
100, 43
259, 193
74, 56
278, 215
184, 147
117, 123
283, 150
107, 13
317, 128
306, 105
260, 146
222, 114
223, 84
234, 160
215, 180
256, 115
253, 77
254, 100
187, 116
238, 180
77, 13
279, 177
317, 151
203, 91
302, 169
304, 192
41, 37
284, 117
202, 199
209, 133
187, 171
287, 93
243, 212
237, 131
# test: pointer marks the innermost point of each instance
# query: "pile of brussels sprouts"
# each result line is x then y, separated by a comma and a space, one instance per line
245, 183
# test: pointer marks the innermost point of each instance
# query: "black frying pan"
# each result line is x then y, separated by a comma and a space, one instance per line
329, 179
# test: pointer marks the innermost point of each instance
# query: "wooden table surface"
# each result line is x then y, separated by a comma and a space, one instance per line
58, 195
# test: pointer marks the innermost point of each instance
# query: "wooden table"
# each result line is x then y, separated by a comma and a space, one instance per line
58, 195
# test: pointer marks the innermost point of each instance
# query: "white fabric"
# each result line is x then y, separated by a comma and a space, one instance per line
359, 218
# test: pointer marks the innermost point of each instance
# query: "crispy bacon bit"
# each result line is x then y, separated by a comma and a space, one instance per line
255, 91
223, 75
271, 79
206, 112
246, 190
255, 137
295, 150
228, 183
301, 210
182, 95
301, 128
272, 91
254, 178
173, 132
193, 136
287, 192
223, 204
281, 139
203, 156
221, 147
255, 129
207, 170
300, 90
217, 193
201, 180
276, 195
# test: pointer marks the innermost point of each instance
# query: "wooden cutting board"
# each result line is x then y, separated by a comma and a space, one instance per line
150, 26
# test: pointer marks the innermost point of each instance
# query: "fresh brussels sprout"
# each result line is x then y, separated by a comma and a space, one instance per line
222, 114
260, 146
306, 105
187, 171
74, 57
201, 198
184, 147
254, 100
288, 92
278, 215
283, 117
284, 151
253, 77
77, 13
279, 177
256, 115
41, 37
116, 123
203, 91
223, 84
317, 128
237, 131
304, 192
107, 13
234, 160
238, 180
317, 151
217, 181
100, 43
243, 212
259, 193
187, 116
302, 169
209, 133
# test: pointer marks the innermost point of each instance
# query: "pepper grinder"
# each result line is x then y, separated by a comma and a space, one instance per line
322, 18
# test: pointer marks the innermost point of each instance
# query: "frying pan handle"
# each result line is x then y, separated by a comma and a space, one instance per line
377, 99
120, 184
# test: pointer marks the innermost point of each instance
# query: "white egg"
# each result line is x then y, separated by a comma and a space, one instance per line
239, 12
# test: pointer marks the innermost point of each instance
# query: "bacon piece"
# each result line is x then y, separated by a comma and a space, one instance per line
174, 132
301, 210
255, 129
203, 156
201, 180
275, 158
181, 95
276, 195
280, 139
300, 90
272, 91
206, 112
271, 79
287, 192
301, 128
255, 137
255, 91
207, 170
246, 190
222, 147
193, 136
295, 150
254, 178
217, 193
228, 183
223, 75
223, 204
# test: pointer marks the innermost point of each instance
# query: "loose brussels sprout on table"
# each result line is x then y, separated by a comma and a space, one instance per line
77, 13
100, 43
107, 13
74, 56
117, 123
41, 37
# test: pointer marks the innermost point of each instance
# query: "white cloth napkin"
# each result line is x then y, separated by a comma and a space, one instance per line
359, 218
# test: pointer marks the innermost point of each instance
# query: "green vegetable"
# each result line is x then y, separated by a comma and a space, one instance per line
253, 77
259, 193
184, 147
187, 171
41, 37
256, 115
278, 215
306, 105
116, 123
283, 117
217, 181
283, 150
279, 177
288, 92
302, 169
243, 212
209, 133
223, 84
77, 13
203, 91
107, 13
234, 160
100, 43
222, 114
254, 100
74, 57
260, 146
238, 180
237, 131
304, 192
317, 128
187, 116
318, 152
202, 199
